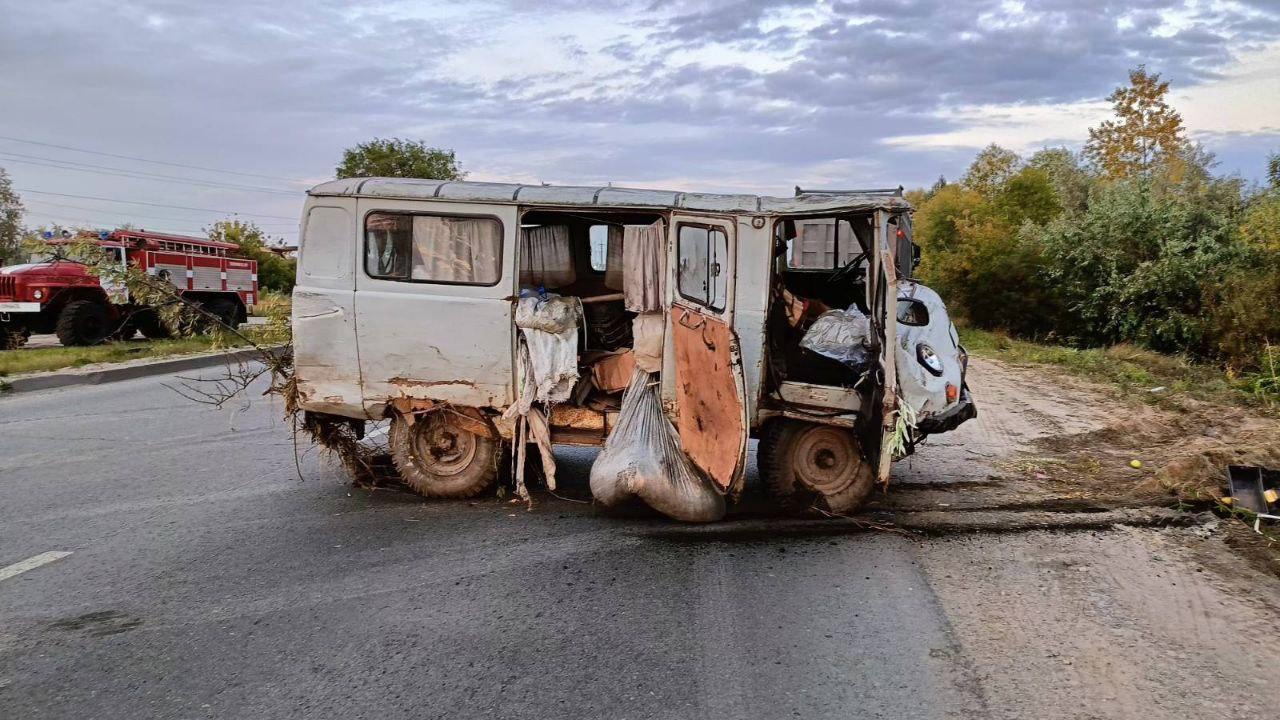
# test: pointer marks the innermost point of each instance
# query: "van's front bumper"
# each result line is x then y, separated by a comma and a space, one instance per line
952, 417
19, 307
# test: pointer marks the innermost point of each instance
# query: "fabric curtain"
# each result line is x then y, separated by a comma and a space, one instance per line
613, 259
546, 257
456, 250
645, 259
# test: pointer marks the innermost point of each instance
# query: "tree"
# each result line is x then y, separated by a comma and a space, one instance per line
10, 221
1070, 181
1273, 170
275, 273
399, 158
1147, 133
990, 169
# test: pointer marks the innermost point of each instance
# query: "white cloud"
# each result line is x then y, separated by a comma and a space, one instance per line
1244, 100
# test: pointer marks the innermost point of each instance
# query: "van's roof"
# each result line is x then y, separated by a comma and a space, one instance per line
607, 196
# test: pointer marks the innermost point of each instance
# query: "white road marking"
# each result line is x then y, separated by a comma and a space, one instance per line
32, 563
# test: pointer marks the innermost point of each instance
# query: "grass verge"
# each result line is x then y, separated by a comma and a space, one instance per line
31, 360
275, 307
1142, 374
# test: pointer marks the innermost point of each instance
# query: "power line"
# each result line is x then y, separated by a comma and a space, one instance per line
120, 172
131, 213
145, 160
151, 204
66, 219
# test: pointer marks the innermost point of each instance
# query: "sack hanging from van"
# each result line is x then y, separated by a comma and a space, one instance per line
642, 459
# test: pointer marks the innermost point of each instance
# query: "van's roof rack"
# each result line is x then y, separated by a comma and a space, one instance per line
893, 192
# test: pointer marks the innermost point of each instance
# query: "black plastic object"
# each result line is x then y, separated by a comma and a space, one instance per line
1245, 485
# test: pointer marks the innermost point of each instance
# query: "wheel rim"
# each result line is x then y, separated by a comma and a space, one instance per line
442, 449
827, 459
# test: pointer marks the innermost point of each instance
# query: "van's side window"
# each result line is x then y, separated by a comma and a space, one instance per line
702, 252
433, 248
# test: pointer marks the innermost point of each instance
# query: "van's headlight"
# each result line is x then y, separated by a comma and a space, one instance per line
929, 359
38, 294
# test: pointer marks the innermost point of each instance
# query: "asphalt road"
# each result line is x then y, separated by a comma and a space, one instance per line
206, 579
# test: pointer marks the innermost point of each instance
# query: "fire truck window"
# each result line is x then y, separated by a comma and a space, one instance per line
326, 245
433, 248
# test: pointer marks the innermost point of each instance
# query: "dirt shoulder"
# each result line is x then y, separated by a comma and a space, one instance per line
1047, 440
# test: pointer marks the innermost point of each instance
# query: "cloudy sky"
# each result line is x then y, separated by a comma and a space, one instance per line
730, 95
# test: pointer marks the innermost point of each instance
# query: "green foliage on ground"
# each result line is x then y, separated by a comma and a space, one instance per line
1143, 246
394, 157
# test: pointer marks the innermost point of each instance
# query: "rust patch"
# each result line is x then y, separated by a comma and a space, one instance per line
710, 412
467, 418
410, 382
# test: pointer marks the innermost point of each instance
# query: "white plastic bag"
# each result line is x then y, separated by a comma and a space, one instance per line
642, 458
840, 335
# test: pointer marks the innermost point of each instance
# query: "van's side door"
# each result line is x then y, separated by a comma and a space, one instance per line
433, 310
710, 387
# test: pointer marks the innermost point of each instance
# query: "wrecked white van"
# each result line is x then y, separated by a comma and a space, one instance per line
482, 317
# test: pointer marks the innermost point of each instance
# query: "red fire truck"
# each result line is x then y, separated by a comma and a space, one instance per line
59, 294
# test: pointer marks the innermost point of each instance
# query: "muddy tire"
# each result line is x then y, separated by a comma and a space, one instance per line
83, 322
150, 324
12, 338
438, 458
807, 465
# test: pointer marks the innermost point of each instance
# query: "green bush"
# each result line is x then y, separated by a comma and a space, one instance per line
1176, 261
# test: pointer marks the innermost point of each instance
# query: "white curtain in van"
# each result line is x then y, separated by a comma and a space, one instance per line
460, 250
645, 258
546, 257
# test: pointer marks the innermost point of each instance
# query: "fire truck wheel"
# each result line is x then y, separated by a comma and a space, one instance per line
12, 338
83, 322
439, 458
148, 321
125, 330
806, 464
226, 310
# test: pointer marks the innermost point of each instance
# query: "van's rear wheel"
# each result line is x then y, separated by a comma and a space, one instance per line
438, 457
807, 464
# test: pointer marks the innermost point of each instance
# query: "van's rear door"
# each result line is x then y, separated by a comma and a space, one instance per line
710, 387
433, 309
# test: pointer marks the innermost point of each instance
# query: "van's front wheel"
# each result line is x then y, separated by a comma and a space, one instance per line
440, 458
808, 464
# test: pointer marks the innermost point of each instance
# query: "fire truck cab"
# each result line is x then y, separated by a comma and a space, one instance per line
59, 294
